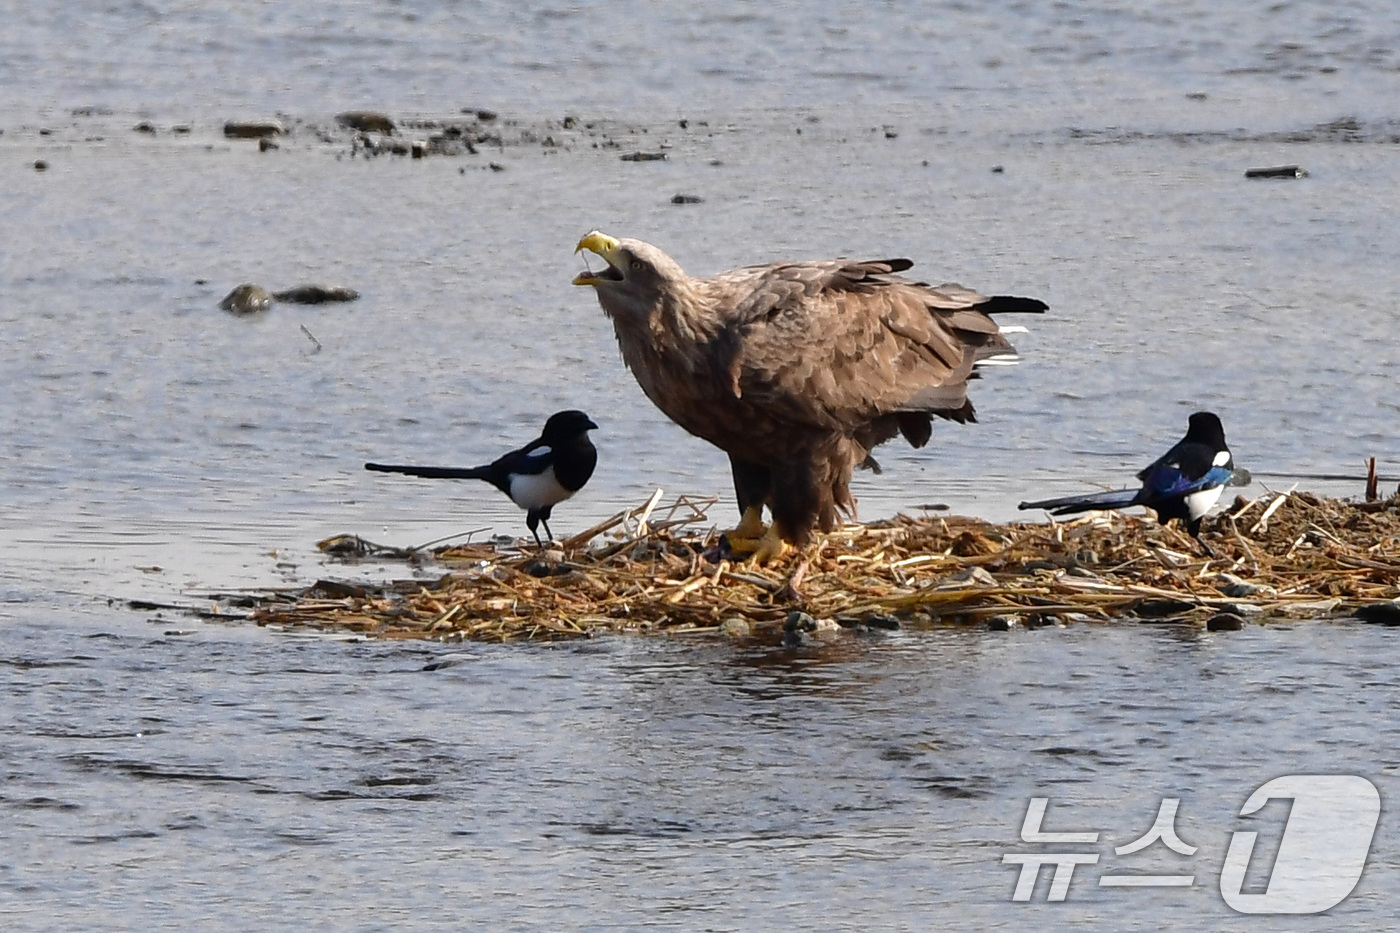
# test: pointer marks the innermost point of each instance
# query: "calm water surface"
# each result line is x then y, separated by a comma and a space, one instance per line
166, 773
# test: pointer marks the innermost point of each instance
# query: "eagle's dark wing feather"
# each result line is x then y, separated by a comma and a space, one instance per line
836, 344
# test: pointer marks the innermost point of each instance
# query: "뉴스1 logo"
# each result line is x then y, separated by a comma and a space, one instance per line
1320, 857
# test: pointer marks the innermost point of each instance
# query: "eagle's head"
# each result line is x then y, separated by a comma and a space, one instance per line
638, 279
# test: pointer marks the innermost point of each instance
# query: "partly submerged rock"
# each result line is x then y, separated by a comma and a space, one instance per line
1380, 613
253, 129
366, 121
1225, 622
736, 627
247, 299
316, 294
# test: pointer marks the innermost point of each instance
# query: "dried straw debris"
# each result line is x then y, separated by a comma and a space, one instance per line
661, 569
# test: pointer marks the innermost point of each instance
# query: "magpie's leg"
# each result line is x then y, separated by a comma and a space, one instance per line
1195, 529
532, 521
545, 522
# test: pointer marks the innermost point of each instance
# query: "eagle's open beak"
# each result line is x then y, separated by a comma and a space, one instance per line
604, 246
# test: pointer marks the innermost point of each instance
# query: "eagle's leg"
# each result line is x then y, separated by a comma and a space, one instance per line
752, 486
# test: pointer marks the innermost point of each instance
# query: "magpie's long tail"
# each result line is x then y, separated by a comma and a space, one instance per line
480, 472
1010, 304
1116, 499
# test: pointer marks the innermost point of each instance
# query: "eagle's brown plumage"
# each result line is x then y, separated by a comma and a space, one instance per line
797, 369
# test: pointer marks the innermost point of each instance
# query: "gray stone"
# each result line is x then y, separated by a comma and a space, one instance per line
253, 129
247, 299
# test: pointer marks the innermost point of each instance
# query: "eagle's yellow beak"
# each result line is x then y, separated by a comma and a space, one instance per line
599, 243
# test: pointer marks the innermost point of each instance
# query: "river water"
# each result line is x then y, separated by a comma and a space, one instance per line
162, 772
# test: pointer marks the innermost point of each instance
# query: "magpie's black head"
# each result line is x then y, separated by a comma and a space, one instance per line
565, 426
1205, 428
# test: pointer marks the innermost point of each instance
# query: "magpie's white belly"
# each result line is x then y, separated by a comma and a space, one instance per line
1199, 503
535, 491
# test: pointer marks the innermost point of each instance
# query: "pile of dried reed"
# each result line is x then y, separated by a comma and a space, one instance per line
661, 569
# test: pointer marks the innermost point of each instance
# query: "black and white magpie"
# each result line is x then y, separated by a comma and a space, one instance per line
1183, 483
538, 476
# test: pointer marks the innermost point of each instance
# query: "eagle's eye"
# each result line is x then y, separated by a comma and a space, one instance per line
637, 265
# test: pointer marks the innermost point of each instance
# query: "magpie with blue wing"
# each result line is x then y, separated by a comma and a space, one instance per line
1184, 483
538, 476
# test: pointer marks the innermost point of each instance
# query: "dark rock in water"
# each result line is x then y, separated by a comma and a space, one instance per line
486, 116
247, 299
1380, 613
798, 629
687, 199
643, 157
145, 126
1001, 623
334, 589
40, 165
445, 661
802, 629
798, 621
1225, 622
366, 121
1160, 608
253, 129
265, 144
316, 294
1278, 171
881, 620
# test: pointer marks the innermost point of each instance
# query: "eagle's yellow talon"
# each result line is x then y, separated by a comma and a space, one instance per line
746, 538
771, 546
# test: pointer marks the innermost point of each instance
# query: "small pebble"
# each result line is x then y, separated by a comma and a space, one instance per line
41, 166
736, 627
977, 575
